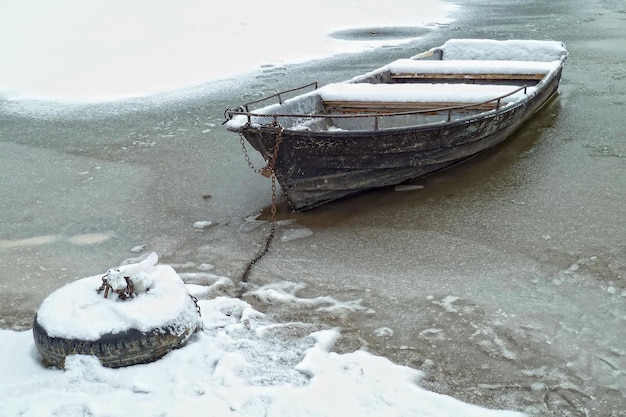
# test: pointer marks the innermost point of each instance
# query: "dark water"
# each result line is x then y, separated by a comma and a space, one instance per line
504, 279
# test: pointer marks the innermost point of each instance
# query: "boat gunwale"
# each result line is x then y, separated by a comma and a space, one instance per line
250, 114
509, 107
249, 125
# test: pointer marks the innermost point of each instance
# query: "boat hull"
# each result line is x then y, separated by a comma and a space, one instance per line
316, 167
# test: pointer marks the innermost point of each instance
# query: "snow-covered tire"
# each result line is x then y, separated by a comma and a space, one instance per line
78, 319
126, 348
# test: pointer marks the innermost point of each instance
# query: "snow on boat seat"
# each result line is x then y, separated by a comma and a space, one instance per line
389, 98
468, 70
489, 49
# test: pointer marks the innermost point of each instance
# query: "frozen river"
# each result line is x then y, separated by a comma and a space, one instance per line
504, 279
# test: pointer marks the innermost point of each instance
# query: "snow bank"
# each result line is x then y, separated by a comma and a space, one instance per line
241, 364
88, 50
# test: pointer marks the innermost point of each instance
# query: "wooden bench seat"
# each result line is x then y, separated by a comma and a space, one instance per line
345, 106
513, 78
392, 98
409, 70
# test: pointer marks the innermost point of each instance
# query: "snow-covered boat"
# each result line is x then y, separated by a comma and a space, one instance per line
402, 121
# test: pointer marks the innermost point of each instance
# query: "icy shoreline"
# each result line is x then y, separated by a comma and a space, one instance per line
241, 364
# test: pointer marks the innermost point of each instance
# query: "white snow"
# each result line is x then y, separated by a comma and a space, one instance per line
515, 50
202, 224
421, 93
383, 332
77, 311
241, 364
286, 292
487, 66
138, 248
91, 50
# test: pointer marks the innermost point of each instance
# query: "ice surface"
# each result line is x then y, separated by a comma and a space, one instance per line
298, 233
78, 240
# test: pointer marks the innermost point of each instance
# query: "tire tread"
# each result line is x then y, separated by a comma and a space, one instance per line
126, 348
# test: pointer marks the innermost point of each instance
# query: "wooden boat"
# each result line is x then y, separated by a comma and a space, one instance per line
402, 121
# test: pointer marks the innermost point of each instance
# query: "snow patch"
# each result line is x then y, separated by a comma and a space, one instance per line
516, 49
202, 224
422, 93
484, 66
383, 332
158, 49
447, 302
138, 248
285, 292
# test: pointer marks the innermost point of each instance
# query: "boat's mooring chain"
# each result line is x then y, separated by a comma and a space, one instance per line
267, 171
242, 141
123, 293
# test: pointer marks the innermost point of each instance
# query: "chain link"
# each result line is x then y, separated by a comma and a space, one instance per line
270, 169
277, 142
242, 141
129, 291
195, 301
123, 294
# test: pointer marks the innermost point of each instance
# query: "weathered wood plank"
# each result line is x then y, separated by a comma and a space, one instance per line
396, 107
481, 77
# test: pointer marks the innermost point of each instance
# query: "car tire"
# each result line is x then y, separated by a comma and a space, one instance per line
125, 348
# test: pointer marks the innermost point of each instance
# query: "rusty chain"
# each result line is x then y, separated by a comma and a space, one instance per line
267, 171
195, 301
242, 141
123, 294
129, 291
